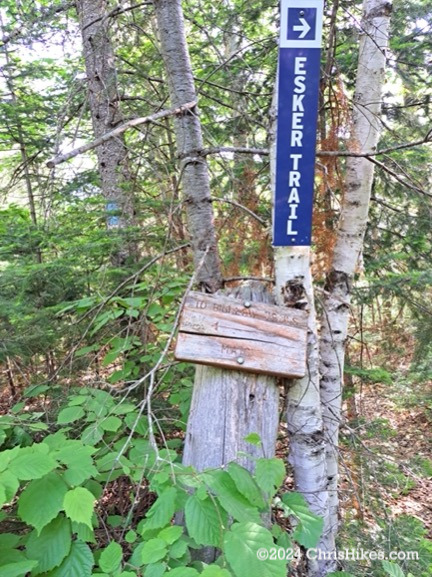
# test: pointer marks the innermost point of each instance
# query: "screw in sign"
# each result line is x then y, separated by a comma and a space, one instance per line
299, 73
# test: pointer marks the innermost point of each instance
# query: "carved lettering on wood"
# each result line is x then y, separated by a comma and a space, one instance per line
255, 337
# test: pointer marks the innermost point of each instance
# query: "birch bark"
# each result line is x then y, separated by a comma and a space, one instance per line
104, 104
359, 177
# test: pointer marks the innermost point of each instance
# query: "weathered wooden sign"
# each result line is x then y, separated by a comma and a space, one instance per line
242, 335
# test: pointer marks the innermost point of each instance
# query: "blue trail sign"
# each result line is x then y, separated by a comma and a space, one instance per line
299, 74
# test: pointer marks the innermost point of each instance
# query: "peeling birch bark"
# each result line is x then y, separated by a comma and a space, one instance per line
350, 235
104, 104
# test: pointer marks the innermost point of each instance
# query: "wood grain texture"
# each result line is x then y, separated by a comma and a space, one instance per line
256, 337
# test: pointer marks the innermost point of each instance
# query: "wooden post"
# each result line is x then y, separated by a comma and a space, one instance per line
227, 405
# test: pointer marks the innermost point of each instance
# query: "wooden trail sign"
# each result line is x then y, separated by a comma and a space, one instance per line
242, 335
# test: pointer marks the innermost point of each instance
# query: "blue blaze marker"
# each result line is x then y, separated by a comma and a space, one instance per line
299, 74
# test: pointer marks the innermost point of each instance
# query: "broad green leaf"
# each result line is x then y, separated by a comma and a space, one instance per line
2, 495
8, 540
78, 505
246, 485
17, 569
78, 563
110, 424
178, 549
32, 463
51, 546
392, 569
309, 530
70, 415
78, 400
171, 534
111, 557
42, 500
7, 456
92, 434
205, 521
241, 545
183, 572
154, 550
230, 498
215, 571
83, 532
155, 570
78, 458
270, 474
162, 511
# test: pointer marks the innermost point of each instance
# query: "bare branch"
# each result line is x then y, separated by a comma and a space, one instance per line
238, 205
119, 130
234, 149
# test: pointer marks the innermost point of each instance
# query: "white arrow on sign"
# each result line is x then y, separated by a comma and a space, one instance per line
303, 28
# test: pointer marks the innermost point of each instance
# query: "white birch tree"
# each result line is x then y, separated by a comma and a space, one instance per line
365, 132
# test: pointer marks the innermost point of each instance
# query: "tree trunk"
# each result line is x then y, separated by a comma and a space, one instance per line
194, 169
360, 171
294, 288
104, 104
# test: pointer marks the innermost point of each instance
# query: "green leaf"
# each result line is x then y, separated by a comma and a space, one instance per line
10, 485
78, 458
111, 557
131, 536
171, 534
83, 532
155, 570
205, 521
308, 532
111, 424
35, 390
246, 485
241, 545
78, 563
17, 569
154, 550
392, 569
51, 546
230, 498
70, 415
162, 511
42, 500
178, 549
183, 572
270, 474
78, 505
215, 571
340, 574
92, 434
253, 439
32, 463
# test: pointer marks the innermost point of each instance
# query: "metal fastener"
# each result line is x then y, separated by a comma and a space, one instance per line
240, 360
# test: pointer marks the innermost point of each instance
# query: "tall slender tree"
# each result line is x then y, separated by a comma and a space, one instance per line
104, 104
